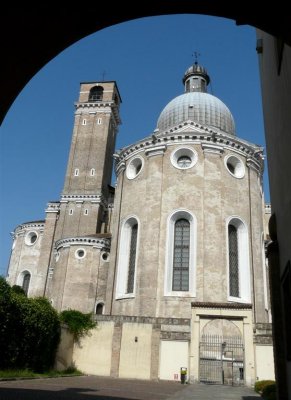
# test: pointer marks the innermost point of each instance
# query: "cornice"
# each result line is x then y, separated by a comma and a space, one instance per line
232, 306
211, 140
155, 150
91, 106
80, 198
99, 243
39, 225
53, 207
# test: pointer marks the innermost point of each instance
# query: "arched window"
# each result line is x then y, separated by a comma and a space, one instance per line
127, 260
99, 308
96, 93
132, 258
181, 254
25, 282
233, 261
238, 261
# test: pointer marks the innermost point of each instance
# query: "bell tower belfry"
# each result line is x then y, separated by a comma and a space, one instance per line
86, 189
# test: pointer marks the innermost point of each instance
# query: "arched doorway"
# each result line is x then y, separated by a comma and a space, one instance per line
221, 353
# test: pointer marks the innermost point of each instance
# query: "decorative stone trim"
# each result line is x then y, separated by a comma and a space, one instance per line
212, 148
98, 243
120, 167
80, 198
144, 320
263, 334
254, 164
155, 150
233, 306
53, 207
176, 335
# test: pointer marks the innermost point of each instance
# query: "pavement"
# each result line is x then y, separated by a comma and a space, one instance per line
105, 388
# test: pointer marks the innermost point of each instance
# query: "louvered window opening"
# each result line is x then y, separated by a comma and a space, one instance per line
25, 284
181, 255
96, 94
132, 257
233, 261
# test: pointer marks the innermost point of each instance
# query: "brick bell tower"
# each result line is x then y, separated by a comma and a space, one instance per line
87, 183
79, 261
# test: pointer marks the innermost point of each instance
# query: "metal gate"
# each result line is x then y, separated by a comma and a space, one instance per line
221, 360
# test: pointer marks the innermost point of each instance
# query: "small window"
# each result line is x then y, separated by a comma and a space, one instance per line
92, 172
105, 256
86, 212
71, 211
99, 121
134, 167
25, 282
184, 162
184, 158
99, 308
31, 238
80, 253
234, 166
84, 122
76, 173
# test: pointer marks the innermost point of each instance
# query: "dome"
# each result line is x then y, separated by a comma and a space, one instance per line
199, 107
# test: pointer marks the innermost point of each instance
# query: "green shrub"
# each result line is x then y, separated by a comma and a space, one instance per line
269, 392
18, 289
260, 385
78, 323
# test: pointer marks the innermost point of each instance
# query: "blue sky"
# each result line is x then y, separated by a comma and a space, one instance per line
147, 58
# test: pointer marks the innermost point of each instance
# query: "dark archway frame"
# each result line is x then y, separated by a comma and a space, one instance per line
33, 35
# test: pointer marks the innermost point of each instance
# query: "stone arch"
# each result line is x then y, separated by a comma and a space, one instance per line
221, 327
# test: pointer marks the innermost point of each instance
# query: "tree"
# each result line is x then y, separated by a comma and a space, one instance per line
29, 330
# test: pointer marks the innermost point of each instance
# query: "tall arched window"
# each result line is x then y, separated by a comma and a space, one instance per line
233, 261
181, 254
127, 259
132, 258
96, 93
25, 282
238, 261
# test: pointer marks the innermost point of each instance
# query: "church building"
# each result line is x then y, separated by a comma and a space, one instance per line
171, 261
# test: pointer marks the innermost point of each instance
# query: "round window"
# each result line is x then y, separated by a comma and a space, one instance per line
30, 238
80, 253
234, 166
184, 158
105, 256
134, 167
184, 162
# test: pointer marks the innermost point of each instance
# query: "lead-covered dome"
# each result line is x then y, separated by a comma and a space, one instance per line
202, 108
197, 105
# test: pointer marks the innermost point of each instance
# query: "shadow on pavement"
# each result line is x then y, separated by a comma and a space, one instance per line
250, 398
65, 394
